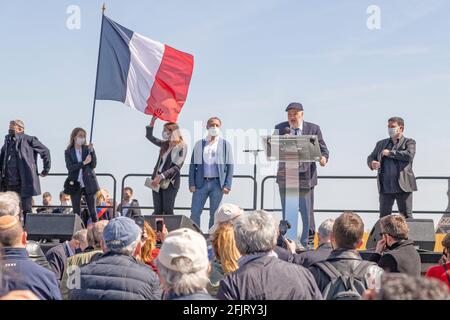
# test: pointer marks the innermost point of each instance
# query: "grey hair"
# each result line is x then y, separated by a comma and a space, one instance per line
9, 204
326, 228
186, 282
255, 232
128, 250
81, 236
97, 231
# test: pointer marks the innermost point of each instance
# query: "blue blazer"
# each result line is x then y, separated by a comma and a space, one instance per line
307, 170
225, 164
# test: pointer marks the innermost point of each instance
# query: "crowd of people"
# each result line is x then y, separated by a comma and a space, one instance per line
124, 258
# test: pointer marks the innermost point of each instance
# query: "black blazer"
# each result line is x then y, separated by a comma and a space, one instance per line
170, 169
404, 154
73, 167
307, 170
133, 209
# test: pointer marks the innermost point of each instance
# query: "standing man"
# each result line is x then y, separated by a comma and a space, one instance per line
210, 171
307, 170
393, 158
18, 164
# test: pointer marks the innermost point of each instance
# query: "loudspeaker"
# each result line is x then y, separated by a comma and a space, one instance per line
173, 222
52, 226
421, 231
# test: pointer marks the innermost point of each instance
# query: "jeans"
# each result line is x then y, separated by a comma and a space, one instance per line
211, 189
291, 214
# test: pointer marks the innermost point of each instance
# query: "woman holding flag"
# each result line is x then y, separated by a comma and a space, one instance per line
81, 181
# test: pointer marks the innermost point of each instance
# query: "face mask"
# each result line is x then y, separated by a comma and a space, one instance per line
392, 132
11, 132
66, 203
214, 131
80, 141
165, 135
78, 250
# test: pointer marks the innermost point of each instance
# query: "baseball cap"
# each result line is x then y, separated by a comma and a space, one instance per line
186, 243
224, 213
121, 232
295, 105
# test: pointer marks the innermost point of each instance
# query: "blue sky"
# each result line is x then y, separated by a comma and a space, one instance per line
251, 59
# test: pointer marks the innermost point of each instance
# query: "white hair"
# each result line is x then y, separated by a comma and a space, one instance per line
128, 250
325, 229
186, 282
256, 231
9, 204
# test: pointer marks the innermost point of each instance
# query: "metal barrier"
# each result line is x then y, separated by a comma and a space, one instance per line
263, 182
186, 176
98, 175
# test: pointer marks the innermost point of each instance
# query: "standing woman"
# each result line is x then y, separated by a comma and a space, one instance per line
81, 162
166, 173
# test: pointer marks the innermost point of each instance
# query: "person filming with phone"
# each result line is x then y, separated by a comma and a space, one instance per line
166, 174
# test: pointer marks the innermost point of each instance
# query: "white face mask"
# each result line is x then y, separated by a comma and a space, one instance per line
80, 141
66, 203
214, 131
165, 135
392, 132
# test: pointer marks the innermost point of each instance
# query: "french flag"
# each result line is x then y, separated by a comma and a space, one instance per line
142, 73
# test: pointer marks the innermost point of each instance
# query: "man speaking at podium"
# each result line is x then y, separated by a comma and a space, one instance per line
393, 158
307, 170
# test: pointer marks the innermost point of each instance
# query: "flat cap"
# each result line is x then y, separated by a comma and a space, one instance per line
295, 106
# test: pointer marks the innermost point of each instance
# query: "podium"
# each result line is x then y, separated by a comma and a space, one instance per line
295, 152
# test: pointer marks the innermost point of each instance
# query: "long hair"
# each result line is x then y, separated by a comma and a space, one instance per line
73, 135
225, 249
175, 136
150, 244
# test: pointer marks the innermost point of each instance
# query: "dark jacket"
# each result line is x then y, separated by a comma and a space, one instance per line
73, 167
402, 257
225, 164
269, 278
403, 154
171, 168
345, 261
28, 148
27, 275
57, 258
133, 209
307, 170
116, 276
306, 258
36, 254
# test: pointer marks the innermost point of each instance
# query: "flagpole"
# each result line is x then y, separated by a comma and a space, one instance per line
96, 75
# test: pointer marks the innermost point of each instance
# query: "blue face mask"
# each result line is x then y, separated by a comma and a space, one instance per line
78, 250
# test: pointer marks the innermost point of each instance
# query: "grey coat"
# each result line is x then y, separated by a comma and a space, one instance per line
404, 154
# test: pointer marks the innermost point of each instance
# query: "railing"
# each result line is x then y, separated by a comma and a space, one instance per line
98, 175
255, 195
263, 183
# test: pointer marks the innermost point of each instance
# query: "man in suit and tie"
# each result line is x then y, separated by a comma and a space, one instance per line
393, 158
307, 170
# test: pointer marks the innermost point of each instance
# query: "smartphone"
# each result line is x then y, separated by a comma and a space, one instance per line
159, 224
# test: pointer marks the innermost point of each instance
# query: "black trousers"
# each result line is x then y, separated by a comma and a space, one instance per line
164, 200
26, 203
90, 201
404, 203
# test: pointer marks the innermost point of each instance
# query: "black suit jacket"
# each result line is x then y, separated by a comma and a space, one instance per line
73, 167
307, 170
133, 209
170, 169
403, 153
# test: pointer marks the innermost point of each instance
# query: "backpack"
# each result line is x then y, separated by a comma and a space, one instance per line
344, 286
